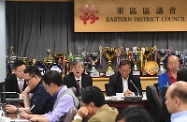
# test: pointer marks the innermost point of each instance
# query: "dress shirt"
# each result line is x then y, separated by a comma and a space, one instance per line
125, 84
64, 104
79, 81
20, 84
179, 117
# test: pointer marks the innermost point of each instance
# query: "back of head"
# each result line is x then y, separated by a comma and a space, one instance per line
93, 94
182, 74
33, 70
18, 63
179, 89
134, 114
52, 77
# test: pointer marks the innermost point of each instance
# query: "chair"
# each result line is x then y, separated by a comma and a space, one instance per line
70, 115
164, 108
106, 89
154, 104
157, 88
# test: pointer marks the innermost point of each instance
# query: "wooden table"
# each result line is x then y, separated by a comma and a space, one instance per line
125, 103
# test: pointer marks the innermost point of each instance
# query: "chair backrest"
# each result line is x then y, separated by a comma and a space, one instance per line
106, 86
70, 115
154, 104
167, 115
157, 88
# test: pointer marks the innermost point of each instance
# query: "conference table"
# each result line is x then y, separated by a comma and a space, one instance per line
120, 104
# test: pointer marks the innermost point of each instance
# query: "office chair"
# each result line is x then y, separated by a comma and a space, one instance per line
154, 104
106, 87
70, 115
164, 108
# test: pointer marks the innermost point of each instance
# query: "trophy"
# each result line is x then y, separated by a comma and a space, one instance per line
94, 57
148, 52
11, 60
79, 55
49, 59
109, 54
25, 60
136, 59
162, 53
118, 52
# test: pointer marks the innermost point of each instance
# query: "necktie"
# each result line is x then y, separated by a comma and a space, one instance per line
78, 87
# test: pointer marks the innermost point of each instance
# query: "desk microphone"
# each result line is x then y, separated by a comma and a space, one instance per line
135, 87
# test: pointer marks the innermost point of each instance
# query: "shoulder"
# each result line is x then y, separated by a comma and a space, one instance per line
134, 77
11, 77
86, 76
70, 75
165, 74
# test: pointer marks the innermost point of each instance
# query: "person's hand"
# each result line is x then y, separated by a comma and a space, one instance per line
128, 93
10, 108
27, 90
24, 115
83, 112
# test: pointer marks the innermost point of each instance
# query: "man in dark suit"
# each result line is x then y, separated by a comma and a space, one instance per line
15, 81
77, 79
123, 81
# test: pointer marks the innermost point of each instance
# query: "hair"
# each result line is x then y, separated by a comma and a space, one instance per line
182, 74
18, 63
124, 62
134, 113
75, 62
165, 61
93, 94
33, 70
180, 91
53, 77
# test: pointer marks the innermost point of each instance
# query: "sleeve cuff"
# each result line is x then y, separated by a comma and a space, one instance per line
78, 117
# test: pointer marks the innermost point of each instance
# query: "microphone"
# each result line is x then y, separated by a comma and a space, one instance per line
135, 88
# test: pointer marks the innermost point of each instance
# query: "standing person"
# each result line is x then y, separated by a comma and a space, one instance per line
172, 65
65, 99
15, 82
124, 82
77, 78
176, 101
94, 107
41, 101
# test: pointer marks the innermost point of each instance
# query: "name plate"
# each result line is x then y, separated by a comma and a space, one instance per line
136, 72
94, 74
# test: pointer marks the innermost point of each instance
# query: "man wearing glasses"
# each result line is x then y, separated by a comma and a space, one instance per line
77, 79
41, 101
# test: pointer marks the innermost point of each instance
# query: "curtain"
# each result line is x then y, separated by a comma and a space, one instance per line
34, 27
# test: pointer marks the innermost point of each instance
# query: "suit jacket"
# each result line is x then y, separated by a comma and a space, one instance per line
116, 86
11, 85
105, 114
70, 81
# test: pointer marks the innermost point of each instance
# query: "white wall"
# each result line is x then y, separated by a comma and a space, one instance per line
2, 41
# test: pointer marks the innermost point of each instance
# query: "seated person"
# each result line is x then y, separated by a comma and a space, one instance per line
176, 101
65, 99
77, 78
182, 74
15, 81
94, 107
124, 82
41, 101
134, 114
172, 65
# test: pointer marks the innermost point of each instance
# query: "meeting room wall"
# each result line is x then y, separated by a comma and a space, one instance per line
34, 27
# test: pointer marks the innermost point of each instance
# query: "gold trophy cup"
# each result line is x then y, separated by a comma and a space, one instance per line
49, 59
109, 54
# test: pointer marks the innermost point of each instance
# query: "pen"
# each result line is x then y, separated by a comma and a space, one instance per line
32, 107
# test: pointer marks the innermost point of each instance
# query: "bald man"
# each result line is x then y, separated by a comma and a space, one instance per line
176, 101
169, 77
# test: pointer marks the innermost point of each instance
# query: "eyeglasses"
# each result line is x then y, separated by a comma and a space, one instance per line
27, 80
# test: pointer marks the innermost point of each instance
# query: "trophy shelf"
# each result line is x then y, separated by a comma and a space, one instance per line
145, 81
